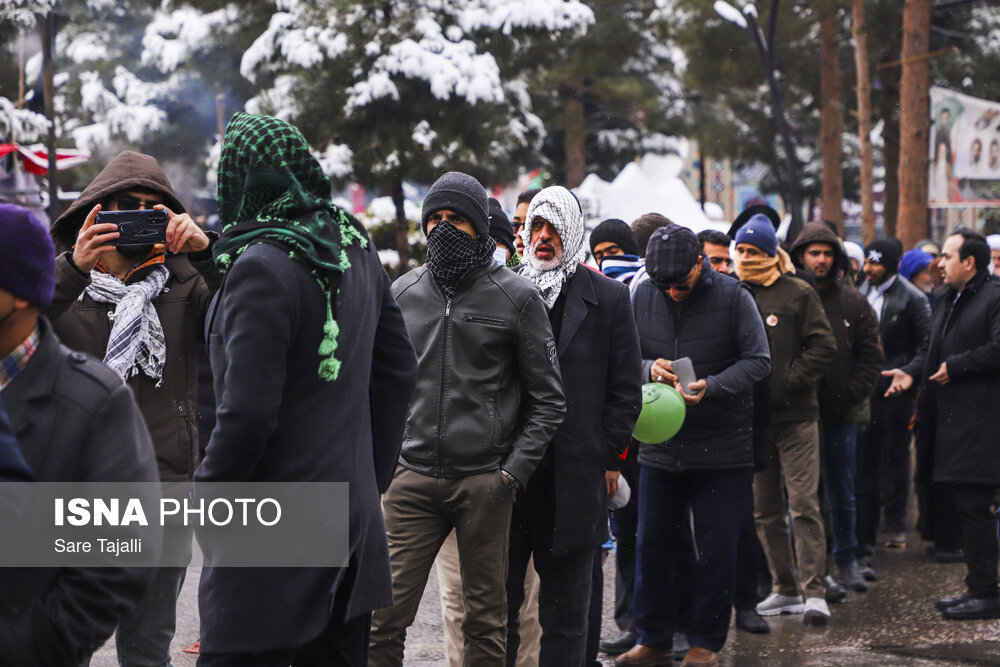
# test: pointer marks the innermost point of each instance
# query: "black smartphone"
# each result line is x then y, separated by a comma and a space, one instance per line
141, 227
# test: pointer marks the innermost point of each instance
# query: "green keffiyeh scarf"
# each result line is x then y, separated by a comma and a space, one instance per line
272, 190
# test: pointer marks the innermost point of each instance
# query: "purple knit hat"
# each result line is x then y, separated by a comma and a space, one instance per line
27, 256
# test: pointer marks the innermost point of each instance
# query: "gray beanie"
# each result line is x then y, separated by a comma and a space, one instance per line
461, 193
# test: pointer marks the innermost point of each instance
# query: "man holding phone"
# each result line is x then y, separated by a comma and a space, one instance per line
141, 308
686, 310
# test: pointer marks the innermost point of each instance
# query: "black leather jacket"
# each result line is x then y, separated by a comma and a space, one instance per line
489, 394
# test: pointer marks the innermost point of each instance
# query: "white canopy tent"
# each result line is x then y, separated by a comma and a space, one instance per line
650, 185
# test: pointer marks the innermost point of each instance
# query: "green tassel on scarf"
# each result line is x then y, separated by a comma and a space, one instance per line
272, 190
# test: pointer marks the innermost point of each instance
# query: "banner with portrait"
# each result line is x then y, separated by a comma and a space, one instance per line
964, 166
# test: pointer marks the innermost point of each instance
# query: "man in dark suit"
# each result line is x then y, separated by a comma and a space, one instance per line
959, 371
313, 373
884, 454
561, 515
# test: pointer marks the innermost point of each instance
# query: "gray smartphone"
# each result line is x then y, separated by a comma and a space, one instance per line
684, 370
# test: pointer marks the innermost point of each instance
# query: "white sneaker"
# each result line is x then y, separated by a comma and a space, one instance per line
816, 612
775, 604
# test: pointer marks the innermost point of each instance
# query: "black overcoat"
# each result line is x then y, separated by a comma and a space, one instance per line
74, 421
960, 417
277, 420
601, 367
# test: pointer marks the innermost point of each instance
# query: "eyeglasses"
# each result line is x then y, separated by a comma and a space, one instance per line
718, 261
129, 203
599, 255
680, 288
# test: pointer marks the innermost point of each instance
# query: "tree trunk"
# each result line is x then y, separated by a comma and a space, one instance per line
890, 154
576, 134
914, 122
402, 224
49, 91
831, 115
860, 29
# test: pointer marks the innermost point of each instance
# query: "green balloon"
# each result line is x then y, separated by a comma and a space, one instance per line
662, 414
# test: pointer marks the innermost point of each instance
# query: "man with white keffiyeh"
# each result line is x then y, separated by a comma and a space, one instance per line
560, 517
141, 309
553, 240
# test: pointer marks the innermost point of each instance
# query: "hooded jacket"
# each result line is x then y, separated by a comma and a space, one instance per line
128, 171
84, 325
851, 377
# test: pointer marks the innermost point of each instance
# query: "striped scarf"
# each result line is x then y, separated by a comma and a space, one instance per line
136, 341
621, 267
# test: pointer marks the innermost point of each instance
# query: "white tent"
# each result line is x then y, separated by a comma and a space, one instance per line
650, 185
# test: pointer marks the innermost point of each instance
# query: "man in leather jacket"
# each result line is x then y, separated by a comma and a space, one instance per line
488, 400
904, 317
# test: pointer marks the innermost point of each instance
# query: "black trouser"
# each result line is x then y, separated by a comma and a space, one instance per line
867, 495
891, 430
974, 507
565, 581
716, 498
745, 587
339, 645
626, 519
596, 609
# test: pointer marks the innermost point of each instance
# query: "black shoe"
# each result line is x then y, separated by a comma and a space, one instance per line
681, 646
945, 603
625, 641
834, 591
866, 570
751, 621
956, 556
850, 577
974, 609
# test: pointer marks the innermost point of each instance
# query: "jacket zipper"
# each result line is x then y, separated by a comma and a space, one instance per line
444, 356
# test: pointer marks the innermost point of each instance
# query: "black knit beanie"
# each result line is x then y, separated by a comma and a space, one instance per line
616, 231
886, 252
461, 193
500, 228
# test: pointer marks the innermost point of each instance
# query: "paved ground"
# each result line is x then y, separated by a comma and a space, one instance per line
893, 624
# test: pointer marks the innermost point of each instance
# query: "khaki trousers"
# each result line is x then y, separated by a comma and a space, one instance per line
792, 468
420, 511
453, 609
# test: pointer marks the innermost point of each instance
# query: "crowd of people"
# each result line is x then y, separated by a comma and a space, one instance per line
481, 408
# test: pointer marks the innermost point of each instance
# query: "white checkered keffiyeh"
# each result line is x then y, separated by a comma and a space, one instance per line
136, 341
561, 208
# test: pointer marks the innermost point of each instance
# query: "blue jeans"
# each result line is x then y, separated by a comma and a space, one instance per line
839, 459
716, 499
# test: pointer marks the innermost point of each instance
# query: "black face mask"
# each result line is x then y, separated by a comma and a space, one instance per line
451, 253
